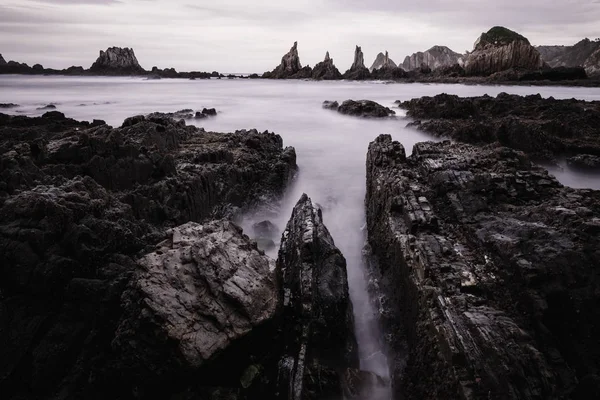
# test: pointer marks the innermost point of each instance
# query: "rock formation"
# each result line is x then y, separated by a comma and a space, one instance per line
117, 61
578, 55
320, 345
357, 71
326, 70
382, 61
2, 61
592, 64
78, 203
480, 251
360, 108
545, 129
435, 57
501, 49
290, 67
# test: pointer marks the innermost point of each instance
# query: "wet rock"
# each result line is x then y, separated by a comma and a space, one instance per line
2, 60
435, 57
47, 107
365, 109
209, 111
8, 105
542, 128
358, 71
584, 161
501, 49
478, 250
318, 321
117, 61
330, 105
326, 70
290, 67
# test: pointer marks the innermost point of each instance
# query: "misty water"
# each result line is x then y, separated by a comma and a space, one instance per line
331, 148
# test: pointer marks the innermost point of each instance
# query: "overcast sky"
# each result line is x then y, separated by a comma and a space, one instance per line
251, 36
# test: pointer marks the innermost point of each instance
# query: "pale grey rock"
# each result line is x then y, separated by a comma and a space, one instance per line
578, 55
435, 57
382, 61
592, 64
117, 60
205, 287
501, 49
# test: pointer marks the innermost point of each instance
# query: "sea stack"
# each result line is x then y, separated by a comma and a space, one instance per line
290, 67
501, 49
435, 57
358, 71
382, 61
117, 61
326, 70
2, 61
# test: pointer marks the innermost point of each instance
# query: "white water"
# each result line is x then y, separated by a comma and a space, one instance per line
331, 148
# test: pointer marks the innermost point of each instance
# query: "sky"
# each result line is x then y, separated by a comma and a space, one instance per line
251, 36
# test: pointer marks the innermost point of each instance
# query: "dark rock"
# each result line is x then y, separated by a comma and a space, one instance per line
584, 161
265, 228
479, 251
117, 61
265, 244
318, 321
38, 68
326, 70
365, 109
209, 111
2, 60
435, 57
542, 128
290, 67
8, 105
254, 76
330, 105
358, 71
389, 73
47, 107
501, 49
78, 204
579, 55
200, 115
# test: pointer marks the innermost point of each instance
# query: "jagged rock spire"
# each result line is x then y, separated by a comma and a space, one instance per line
359, 59
327, 58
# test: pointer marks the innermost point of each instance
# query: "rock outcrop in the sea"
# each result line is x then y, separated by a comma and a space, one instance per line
117, 61
2, 60
360, 108
489, 265
382, 61
290, 67
326, 70
580, 54
435, 57
545, 129
357, 70
319, 344
501, 49
79, 202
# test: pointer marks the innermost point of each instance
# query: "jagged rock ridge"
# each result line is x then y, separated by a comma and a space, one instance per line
358, 71
326, 70
382, 61
117, 60
501, 49
290, 67
435, 57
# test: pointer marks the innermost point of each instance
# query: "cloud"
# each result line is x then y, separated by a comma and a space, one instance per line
238, 36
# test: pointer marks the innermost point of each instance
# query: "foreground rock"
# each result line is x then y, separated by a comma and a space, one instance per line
290, 67
543, 128
489, 267
435, 57
357, 70
79, 202
501, 49
320, 344
326, 70
361, 108
117, 61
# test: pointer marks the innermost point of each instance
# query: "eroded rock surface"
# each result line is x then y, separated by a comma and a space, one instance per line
362, 108
290, 67
542, 128
382, 61
117, 61
319, 333
489, 267
501, 49
326, 70
357, 70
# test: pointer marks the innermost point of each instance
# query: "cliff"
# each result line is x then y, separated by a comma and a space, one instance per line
435, 57
382, 61
117, 61
501, 49
581, 54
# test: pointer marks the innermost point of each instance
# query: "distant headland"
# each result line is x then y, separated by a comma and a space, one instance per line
499, 56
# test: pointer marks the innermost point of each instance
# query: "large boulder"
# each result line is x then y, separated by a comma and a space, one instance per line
326, 70
318, 323
357, 70
364, 108
435, 57
501, 49
290, 67
117, 61
489, 270
382, 61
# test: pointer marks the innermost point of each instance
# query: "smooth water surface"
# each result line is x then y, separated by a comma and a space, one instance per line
330, 147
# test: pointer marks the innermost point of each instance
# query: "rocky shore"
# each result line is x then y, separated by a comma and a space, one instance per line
545, 129
488, 271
